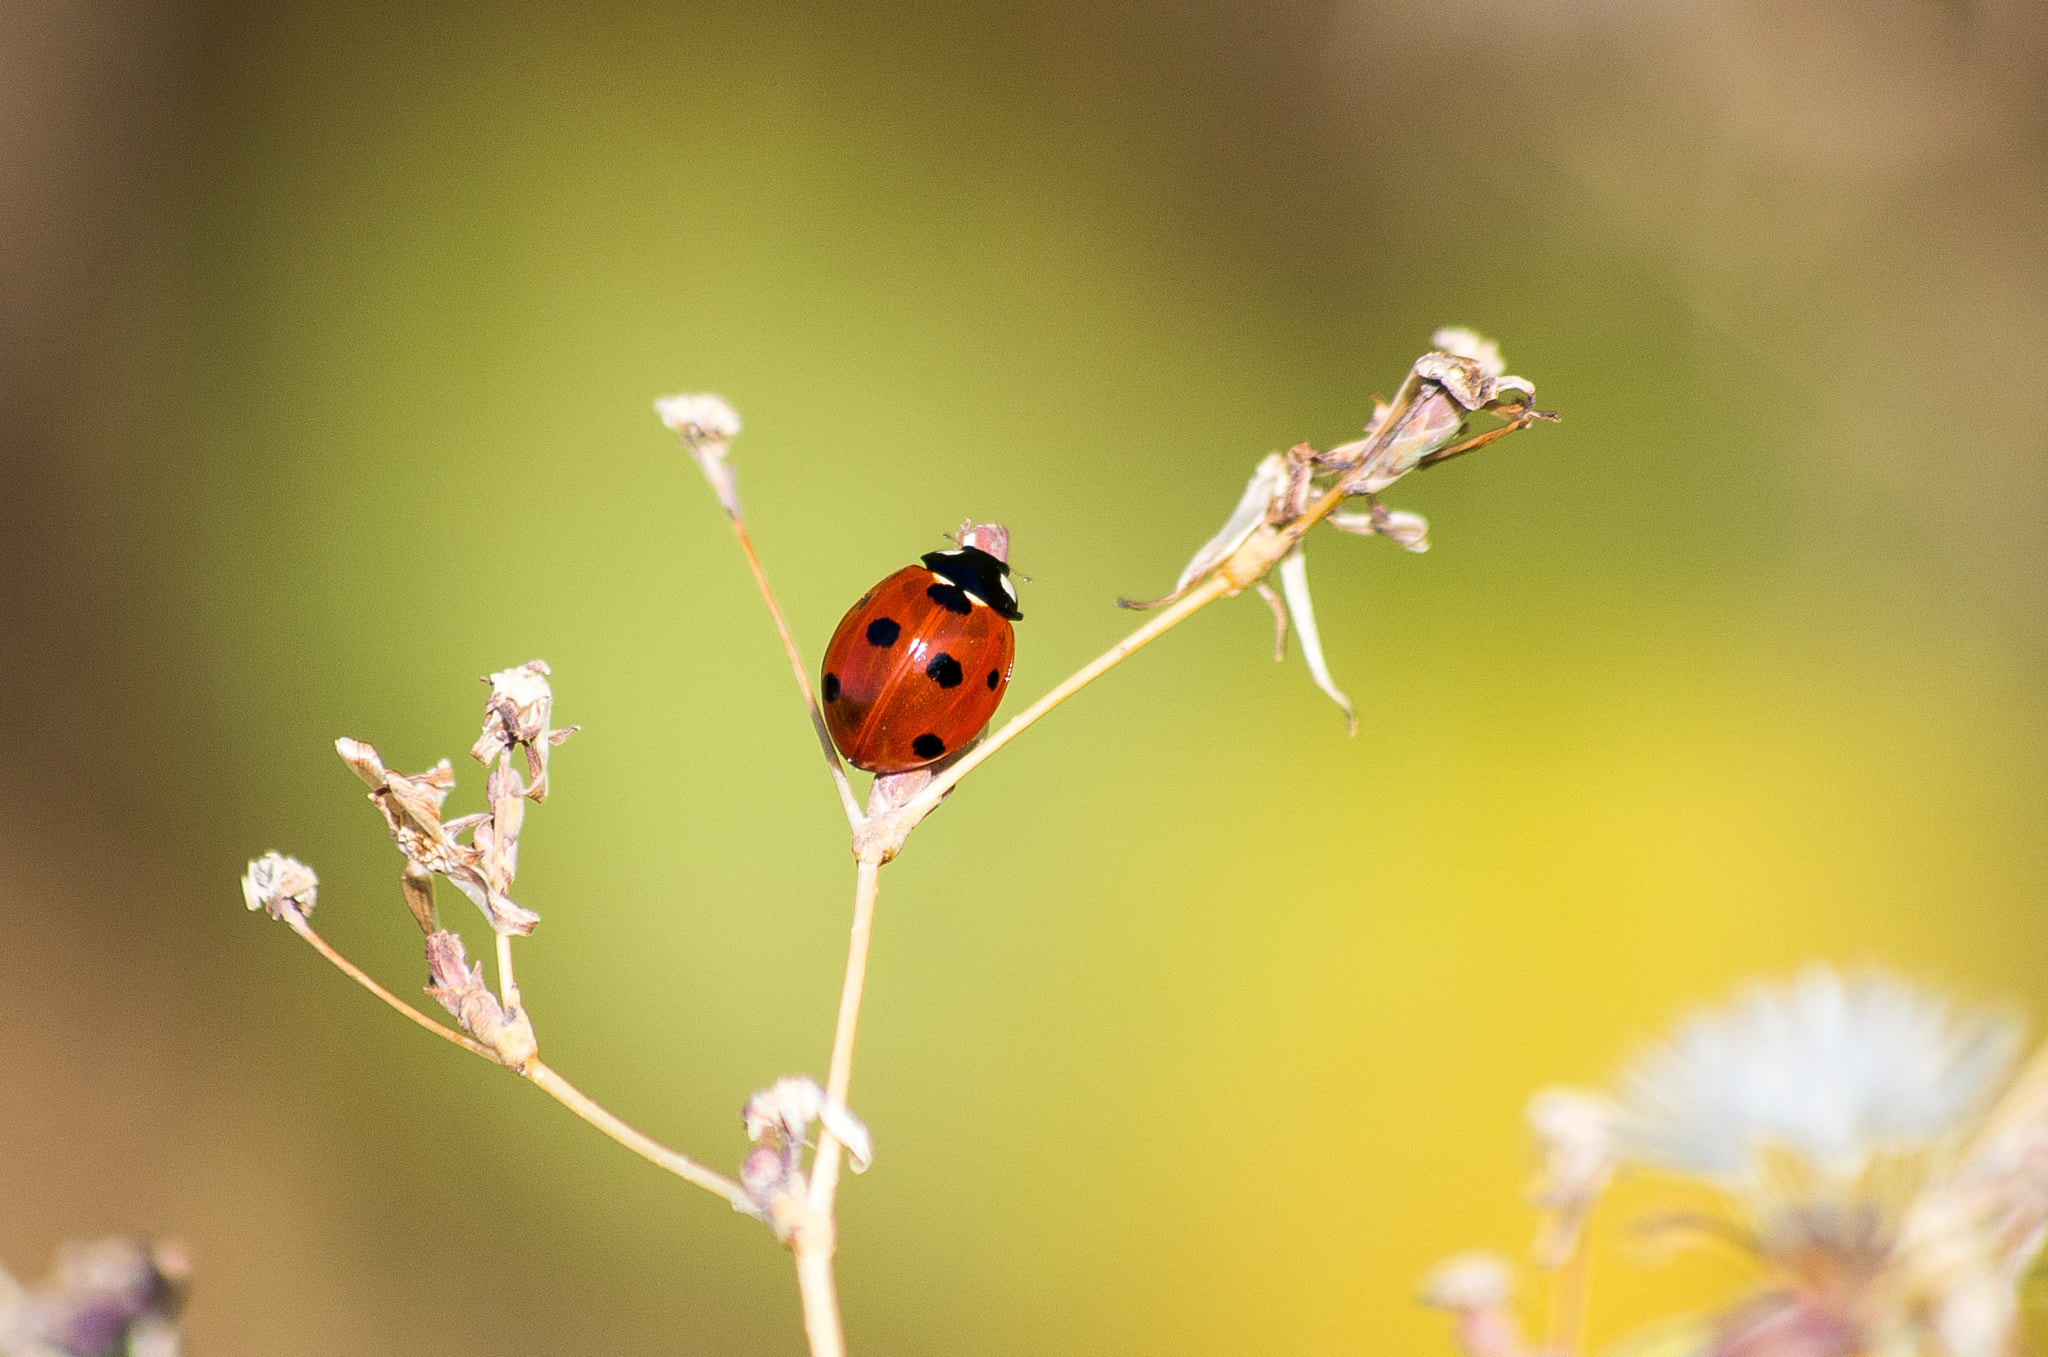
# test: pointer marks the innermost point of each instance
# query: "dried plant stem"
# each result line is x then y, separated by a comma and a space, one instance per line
821, 1303
557, 1087
676, 1162
803, 678
1208, 592
355, 973
508, 988
814, 1249
867, 886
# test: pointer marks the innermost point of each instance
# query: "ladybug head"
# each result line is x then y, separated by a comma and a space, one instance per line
979, 566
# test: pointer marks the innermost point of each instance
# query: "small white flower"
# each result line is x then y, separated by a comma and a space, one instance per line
707, 425
1836, 1070
277, 883
704, 417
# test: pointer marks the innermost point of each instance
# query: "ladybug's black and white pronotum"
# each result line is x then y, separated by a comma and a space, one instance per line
919, 665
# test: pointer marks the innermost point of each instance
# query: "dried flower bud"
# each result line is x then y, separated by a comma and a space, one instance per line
707, 426
277, 883
1476, 1287
765, 1171
517, 713
781, 1115
411, 807
1575, 1132
992, 538
1462, 375
459, 987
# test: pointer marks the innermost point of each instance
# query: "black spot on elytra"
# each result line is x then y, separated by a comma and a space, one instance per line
951, 597
992, 680
832, 687
944, 670
883, 632
927, 746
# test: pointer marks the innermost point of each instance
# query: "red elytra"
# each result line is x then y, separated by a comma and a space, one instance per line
917, 667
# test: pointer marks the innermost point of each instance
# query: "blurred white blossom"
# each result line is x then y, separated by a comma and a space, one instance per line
1833, 1069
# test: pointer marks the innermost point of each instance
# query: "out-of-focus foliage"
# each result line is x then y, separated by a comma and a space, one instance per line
328, 339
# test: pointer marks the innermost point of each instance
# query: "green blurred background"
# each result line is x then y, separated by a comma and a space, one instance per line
328, 342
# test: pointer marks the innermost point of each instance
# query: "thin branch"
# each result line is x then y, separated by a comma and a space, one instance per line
559, 1088
508, 988
821, 1303
814, 1251
675, 1161
355, 973
1174, 614
867, 886
803, 678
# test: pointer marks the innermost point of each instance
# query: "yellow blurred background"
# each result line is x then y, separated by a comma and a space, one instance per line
327, 340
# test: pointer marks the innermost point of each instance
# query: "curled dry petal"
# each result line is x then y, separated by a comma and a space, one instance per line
517, 713
459, 987
1405, 530
276, 883
1294, 585
1267, 482
707, 426
781, 1115
1428, 412
1575, 1133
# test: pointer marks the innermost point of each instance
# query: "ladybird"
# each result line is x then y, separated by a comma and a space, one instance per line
919, 665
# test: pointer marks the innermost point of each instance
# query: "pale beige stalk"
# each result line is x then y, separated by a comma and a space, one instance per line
803, 677
556, 1086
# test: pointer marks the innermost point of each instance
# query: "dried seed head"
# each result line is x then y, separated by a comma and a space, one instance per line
517, 713
277, 883
411, 807
459, 987
707, 426
1463, 374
